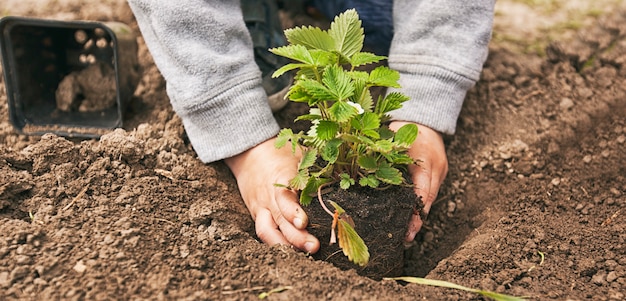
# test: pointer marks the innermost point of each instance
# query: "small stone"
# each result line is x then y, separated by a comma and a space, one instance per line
5, 282
605, 153
566, 104
615, 192
611, 276
580, 206
80, 267
587, 158
451, 207
621, 139
599, 278
556, 181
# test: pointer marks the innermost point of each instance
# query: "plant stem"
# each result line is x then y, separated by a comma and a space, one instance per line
319, 198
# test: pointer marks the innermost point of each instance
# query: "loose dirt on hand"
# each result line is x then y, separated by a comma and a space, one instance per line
534, 204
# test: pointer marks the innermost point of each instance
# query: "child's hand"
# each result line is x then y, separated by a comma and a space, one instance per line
429, 150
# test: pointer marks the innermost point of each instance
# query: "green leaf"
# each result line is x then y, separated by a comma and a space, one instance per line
400, 159
391, 102
446, 284
308, 159
367, 162
283, 136
327, 130
366, 121
297, 94
347, 33
295, 52
300, 180
345, 181
342, 111
330, 152
338, 82
287, 68
310, 190
364, 58
383, 146
362, 95
351, 243
390, 175
310, 37
308, 117
406, 134
316, 90
369, 181
359, 75
322, 58
384, 76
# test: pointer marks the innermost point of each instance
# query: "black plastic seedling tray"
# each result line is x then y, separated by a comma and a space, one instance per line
37, 54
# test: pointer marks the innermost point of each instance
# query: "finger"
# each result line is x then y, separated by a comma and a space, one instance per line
267, 230
290, 209
422, 178
415, 224
300, 239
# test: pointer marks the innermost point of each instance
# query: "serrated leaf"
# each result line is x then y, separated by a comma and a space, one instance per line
366, 121
308, 117
362, 95
310, 37
345, 181
391, 102
369, 181
359, 75
406, 134
400, 159
300, 180
347, 33
341, 111
283, 136
327, 130
308, 159
351, 243
310, 190
383, 146
316, 90
367, 162
297, 94
287, 68
384, 76
322, 57
390, 175
295, 52
338, 82
364, 58
330, 152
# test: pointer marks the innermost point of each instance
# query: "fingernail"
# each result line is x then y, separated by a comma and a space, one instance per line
298, 222
309, 246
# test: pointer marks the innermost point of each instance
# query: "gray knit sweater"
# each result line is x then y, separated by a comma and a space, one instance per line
204, 52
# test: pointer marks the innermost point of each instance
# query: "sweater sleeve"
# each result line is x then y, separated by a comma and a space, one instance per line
204, 52
439, 48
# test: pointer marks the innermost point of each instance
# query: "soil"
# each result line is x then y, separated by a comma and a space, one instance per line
533, 205
380, 217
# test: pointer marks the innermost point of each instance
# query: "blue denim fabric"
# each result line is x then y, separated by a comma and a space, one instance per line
376, 16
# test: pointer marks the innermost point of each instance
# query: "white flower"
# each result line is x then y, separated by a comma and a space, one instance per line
357, 107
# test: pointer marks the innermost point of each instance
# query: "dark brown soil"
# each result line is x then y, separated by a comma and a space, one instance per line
533, 205
381, 218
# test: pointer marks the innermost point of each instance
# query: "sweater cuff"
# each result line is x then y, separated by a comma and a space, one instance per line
231, 123
436, 95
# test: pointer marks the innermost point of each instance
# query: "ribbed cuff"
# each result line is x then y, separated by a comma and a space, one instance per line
436, 95
231, 123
